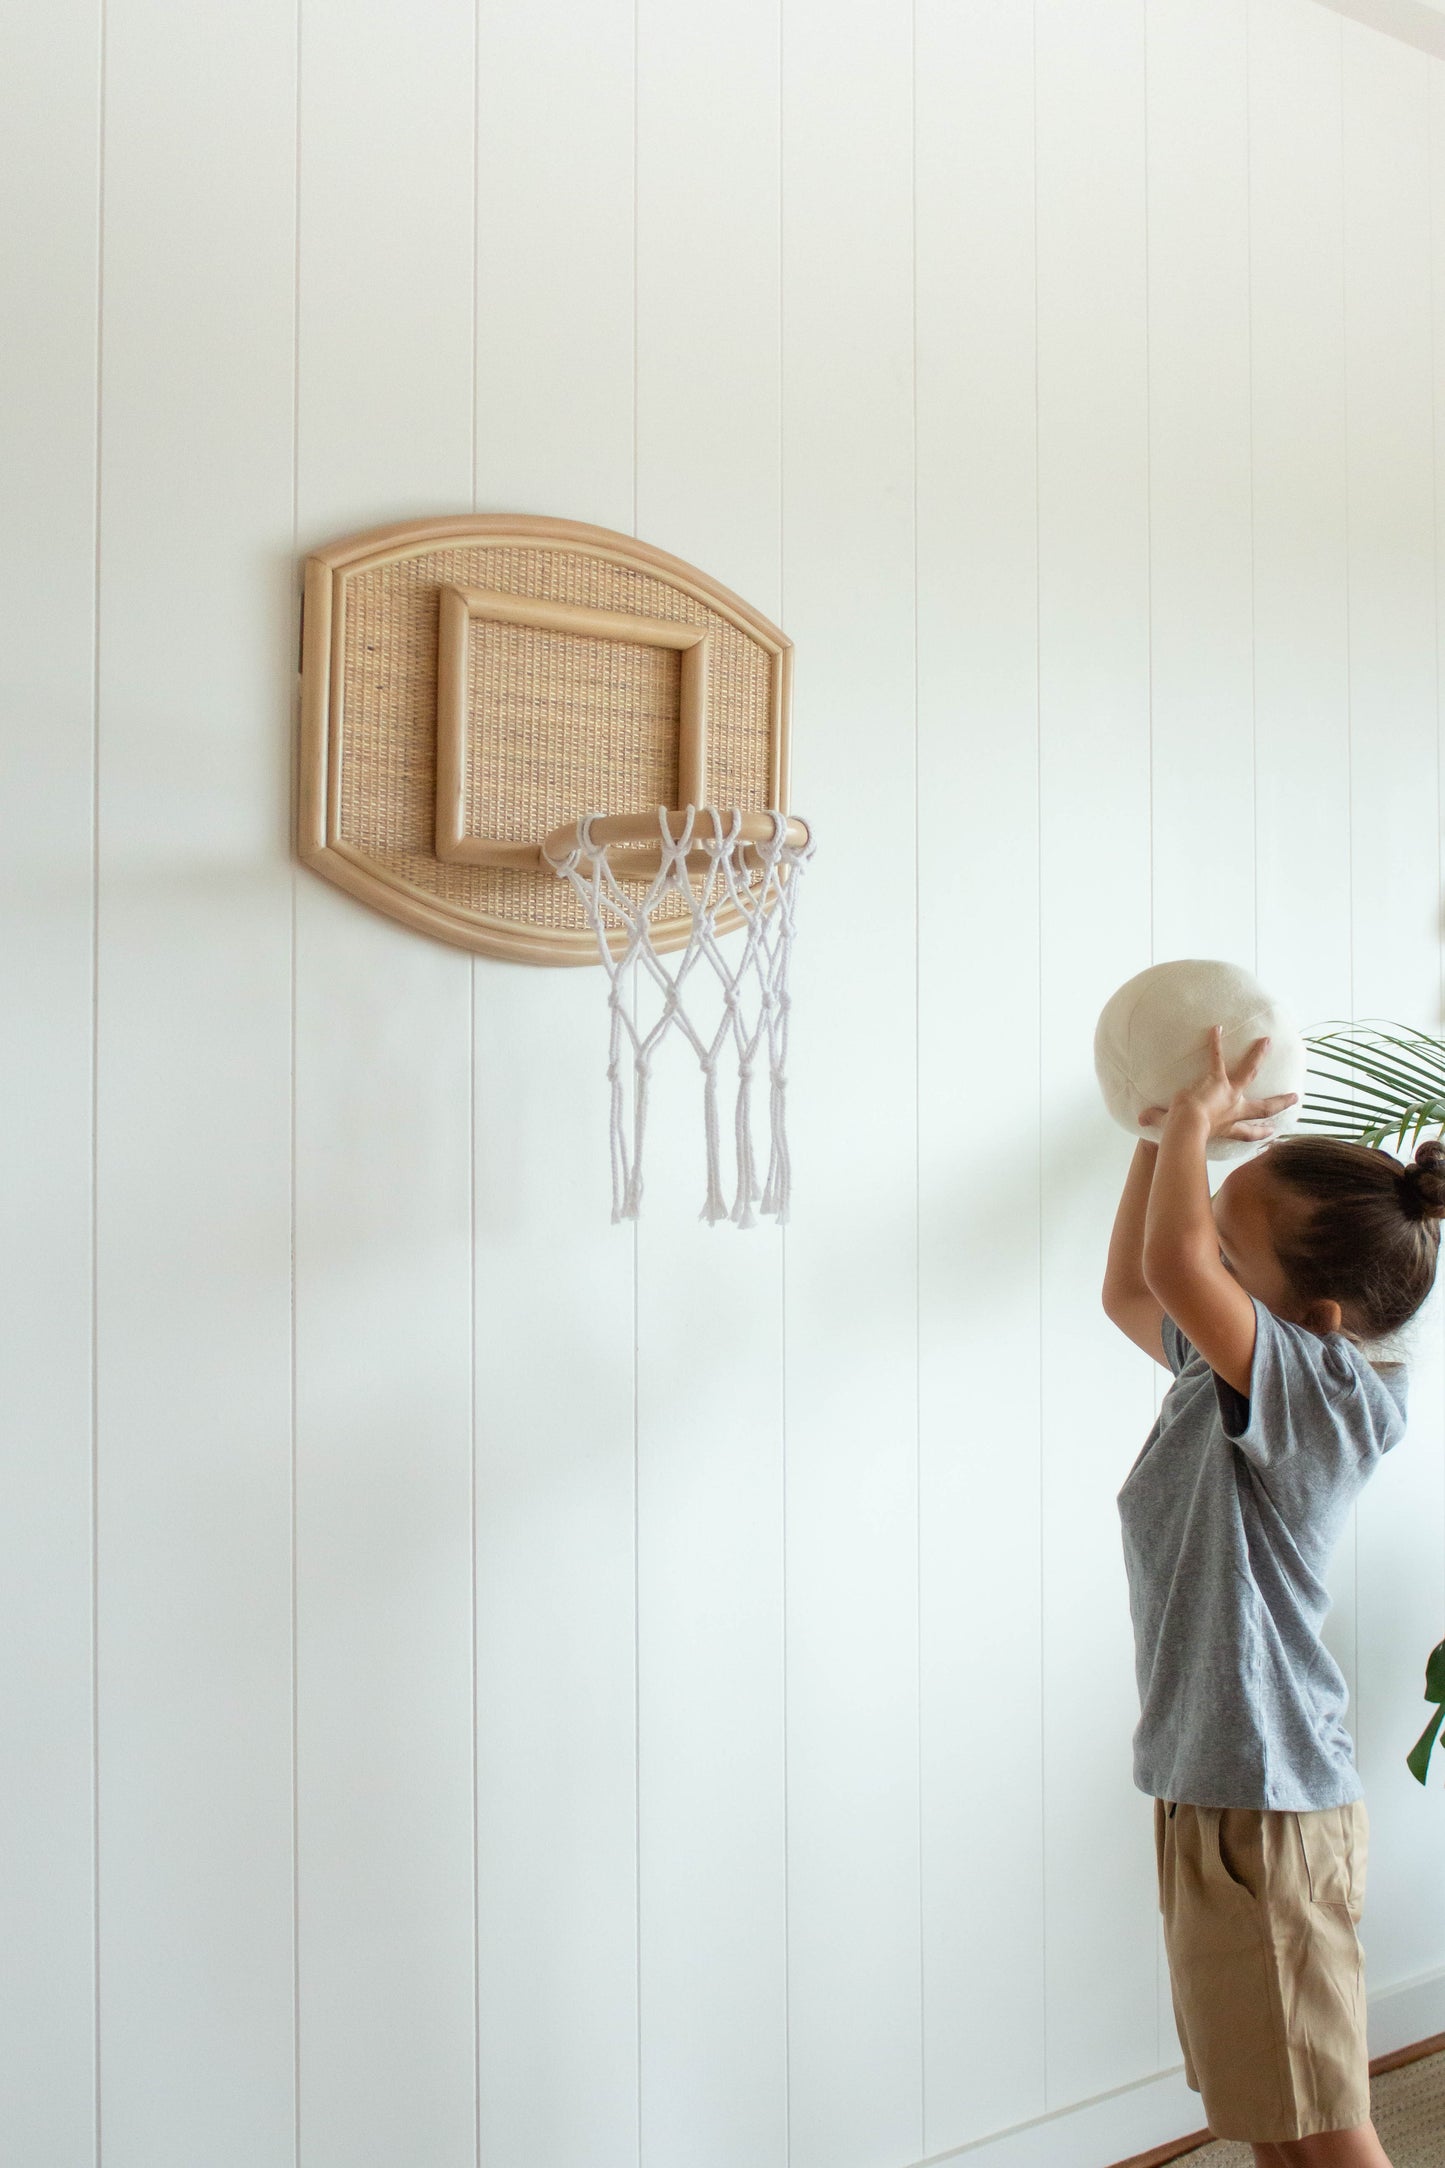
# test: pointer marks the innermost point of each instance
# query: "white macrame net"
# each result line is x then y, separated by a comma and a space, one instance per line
645, 1004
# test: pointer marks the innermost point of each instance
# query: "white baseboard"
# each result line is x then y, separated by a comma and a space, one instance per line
1096, 2133
1411, 2010
1092, 2134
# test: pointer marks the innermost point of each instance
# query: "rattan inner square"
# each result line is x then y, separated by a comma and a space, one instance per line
559, 723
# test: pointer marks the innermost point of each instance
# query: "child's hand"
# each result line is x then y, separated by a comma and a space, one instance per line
1221, 1098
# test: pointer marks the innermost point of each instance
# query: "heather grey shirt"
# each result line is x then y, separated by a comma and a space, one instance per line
1230, 1515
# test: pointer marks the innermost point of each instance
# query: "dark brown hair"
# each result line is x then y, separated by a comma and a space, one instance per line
1372, 1241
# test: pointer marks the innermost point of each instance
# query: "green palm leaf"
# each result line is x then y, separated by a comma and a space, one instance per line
1417, 1761
1401, 1079
1395, 1077
1417, 1056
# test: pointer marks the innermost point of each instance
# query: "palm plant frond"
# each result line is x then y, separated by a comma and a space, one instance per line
1404, 1037
1394, 1075
1405, 1081
1407, 1076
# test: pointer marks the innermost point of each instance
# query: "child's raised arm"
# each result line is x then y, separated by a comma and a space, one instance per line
1182, 1263
1128, 1302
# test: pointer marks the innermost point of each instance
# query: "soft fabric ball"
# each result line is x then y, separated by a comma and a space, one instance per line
1153, 1039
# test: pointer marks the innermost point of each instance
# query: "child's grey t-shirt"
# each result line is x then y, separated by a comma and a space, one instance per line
1230, 1516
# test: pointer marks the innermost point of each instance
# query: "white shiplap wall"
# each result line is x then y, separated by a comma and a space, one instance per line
489, 1687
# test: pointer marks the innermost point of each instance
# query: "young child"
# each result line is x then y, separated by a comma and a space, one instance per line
1258, 1302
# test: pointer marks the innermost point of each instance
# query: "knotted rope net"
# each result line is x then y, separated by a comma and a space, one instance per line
648, 995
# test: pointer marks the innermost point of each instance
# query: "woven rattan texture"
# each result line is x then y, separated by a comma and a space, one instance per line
1407, 2107
387, 781
571, 724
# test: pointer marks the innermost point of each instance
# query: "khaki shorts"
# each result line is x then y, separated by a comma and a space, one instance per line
1265, 1965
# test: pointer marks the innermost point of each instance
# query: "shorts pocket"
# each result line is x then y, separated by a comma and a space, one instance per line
1239, 1849
1334, 1841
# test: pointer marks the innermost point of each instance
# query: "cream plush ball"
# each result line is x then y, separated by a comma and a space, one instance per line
1153, 1038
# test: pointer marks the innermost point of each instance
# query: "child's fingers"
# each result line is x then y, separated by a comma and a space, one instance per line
1254, 1055
1273, 1105
1153, 1114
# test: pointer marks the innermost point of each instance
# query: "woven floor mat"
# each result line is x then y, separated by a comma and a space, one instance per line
1408, 2108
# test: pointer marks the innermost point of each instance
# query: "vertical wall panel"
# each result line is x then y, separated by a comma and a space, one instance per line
1391, 572
1437, 350
1436, 141
196, 651
1298, 423
1395, 889
1302, 750
978, 964
1202, 830
556, 237
710, 1433
555, 1332
854, 1929
1201, 705
49, 109
1094, 845
383, 1168
1200, 756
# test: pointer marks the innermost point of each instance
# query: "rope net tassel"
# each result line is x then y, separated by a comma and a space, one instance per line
648, 996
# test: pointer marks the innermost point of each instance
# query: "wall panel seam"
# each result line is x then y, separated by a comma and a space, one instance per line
1433, 77
1039, 1192
917, 1114
783, 1232
1148, 483
295, 1560
1349, 743
473, 1502
636, 1241
1149, 669
1249, 411
472, 1538
95, 1086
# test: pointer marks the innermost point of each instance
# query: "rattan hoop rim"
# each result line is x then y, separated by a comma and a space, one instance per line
637, 834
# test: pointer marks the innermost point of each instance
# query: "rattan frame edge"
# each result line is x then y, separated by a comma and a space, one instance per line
380, 545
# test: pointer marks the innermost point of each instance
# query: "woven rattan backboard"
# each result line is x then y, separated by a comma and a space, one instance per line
557, 722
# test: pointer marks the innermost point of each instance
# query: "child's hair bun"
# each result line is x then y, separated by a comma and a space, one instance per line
1422, 1183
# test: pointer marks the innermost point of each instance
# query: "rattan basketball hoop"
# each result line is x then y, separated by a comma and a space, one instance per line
552, 743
